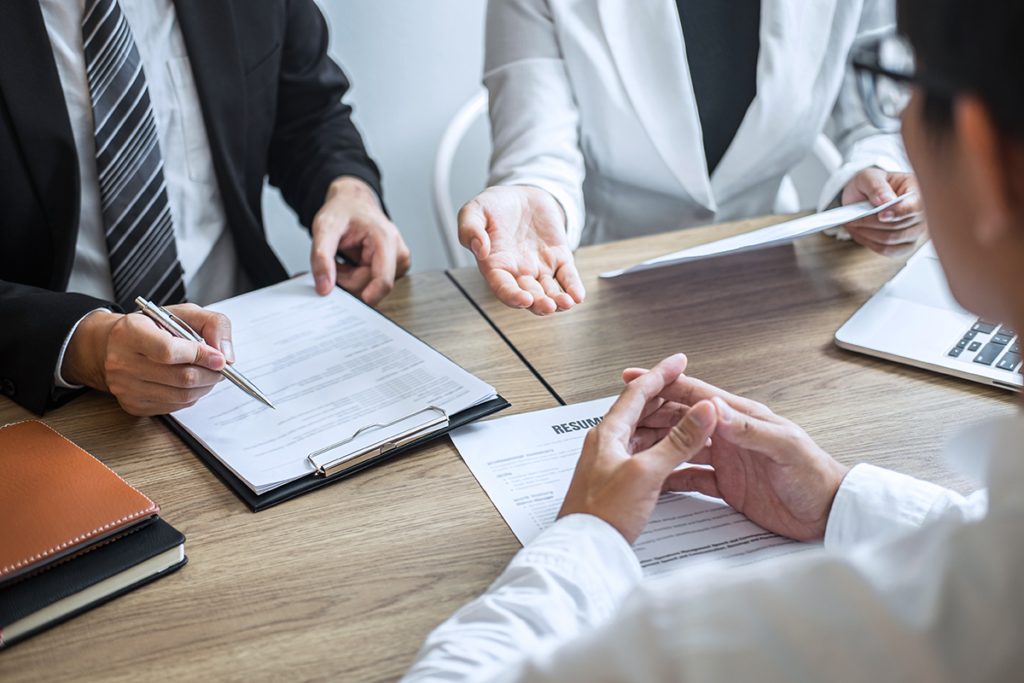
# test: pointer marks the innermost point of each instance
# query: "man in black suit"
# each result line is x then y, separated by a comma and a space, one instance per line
96, 182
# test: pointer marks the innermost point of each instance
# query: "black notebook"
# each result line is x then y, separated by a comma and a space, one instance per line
54, 595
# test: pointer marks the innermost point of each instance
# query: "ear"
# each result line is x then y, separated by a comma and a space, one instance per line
989, 174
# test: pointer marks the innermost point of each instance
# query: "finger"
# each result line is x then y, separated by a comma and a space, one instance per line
630, 374
354, 280
889, 250
690, 391
667, 415
909, 207
542, 303
685, 440
473, 229
874, 223
214, 327
159, 346
553, 291
569, 278
404, 258
505, 287
644, 438
629, 406
752, 433
161, 399
328, 230
697, 479
887, 236
872, 183
383, 260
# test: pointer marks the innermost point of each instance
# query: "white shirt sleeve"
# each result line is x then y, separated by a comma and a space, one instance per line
534, 120
909, 608
874, 503
58, 380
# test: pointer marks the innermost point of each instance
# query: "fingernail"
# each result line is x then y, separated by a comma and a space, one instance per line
475, 246
322, 283
725, 413
700, 416
228, 350
887, 216
887, 197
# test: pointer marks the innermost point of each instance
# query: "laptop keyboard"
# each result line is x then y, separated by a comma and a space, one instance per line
990, 344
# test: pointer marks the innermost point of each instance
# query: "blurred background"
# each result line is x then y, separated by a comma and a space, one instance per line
412, 65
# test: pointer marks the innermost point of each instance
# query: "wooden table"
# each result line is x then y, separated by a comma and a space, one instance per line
343, 583
758, 324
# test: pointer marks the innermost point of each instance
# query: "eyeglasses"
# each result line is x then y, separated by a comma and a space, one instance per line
886, 74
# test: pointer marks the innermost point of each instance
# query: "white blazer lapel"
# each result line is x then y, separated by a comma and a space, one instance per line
795, 37
646, 43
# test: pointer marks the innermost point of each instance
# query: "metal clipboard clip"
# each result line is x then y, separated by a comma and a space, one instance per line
381, 447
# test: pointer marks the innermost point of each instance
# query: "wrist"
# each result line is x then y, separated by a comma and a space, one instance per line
352, 188
86, 354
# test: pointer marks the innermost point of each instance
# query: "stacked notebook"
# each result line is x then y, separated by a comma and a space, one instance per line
72, 533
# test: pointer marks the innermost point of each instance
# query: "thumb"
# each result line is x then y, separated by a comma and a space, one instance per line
208, 357
473, 229
214, 327
873, 184
749, 432
686, 440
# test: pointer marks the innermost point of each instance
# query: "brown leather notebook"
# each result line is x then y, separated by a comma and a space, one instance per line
56, 500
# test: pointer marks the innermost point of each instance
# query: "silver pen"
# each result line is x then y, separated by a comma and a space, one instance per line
179, 328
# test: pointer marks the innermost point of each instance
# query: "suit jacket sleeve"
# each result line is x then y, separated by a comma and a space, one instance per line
861, 144
534, 119
35, 324
314, 139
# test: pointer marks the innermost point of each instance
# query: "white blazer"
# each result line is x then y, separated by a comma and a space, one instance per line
591, 100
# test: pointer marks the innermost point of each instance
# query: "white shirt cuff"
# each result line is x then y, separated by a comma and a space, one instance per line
57, 379
874, 503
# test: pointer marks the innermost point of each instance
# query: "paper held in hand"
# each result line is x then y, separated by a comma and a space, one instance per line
773, 235
332, 365
525, 463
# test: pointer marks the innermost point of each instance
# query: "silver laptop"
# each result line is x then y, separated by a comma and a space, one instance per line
914, 319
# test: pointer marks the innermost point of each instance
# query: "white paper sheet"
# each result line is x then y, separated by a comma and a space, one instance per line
330, 365
773, 235
525, 463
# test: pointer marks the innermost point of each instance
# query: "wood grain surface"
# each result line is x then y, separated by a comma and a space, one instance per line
341, 584
760, 324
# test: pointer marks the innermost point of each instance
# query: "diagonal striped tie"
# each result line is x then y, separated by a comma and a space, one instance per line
137, 216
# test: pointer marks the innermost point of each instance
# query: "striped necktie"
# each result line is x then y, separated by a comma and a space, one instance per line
133, 193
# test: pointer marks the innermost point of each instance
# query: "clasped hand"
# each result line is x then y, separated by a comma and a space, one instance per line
762, 465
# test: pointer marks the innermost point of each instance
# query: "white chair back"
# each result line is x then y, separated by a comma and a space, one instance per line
446, 214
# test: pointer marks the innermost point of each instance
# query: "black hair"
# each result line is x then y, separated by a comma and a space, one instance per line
975, 46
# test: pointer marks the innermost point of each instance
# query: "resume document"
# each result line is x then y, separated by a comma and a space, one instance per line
525, 463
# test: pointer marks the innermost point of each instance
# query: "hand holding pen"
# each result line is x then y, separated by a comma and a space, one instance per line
148, 370
179, 328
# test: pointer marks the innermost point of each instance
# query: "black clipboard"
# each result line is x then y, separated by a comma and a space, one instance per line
314, 481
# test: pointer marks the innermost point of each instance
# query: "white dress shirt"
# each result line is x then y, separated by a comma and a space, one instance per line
916, 583
205, 247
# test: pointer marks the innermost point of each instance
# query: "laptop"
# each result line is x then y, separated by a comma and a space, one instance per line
914, 319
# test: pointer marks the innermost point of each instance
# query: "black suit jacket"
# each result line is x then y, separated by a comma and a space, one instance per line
271, 102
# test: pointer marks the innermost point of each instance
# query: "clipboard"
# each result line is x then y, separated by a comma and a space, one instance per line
317, 479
